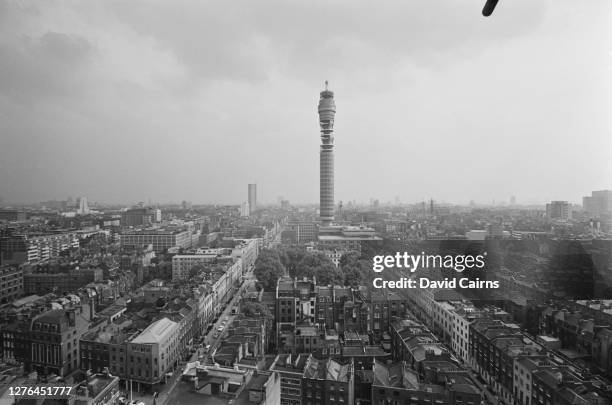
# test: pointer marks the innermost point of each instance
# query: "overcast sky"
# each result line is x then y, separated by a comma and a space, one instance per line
123, 101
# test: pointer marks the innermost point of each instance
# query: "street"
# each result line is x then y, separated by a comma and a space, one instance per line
227, 313
173, 392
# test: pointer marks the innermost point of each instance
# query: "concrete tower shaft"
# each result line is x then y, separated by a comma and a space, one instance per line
327, 112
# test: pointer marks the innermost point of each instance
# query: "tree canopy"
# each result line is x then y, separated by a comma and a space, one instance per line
320, 266
268, 269
356, 271
353, 270
256, 309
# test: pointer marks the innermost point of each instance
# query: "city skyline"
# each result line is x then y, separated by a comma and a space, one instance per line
501, 203
108, 102
306, 203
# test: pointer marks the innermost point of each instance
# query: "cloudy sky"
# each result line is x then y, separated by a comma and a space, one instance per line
123, 101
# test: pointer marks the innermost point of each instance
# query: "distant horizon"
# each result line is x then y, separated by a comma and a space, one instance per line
497, 203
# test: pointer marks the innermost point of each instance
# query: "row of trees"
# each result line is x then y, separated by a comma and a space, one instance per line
298, 262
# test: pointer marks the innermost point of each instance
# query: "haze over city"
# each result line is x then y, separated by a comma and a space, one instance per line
305, 203
191, 101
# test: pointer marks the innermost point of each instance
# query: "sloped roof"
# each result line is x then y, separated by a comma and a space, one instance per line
156, 332
326, 369
397, 375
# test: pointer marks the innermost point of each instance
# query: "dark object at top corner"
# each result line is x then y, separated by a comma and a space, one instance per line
489, 7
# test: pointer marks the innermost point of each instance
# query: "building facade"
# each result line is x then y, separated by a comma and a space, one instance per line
11, 283
154, 352
138, 216
161, 239
31, 248
559, 210
252, 195
53, 342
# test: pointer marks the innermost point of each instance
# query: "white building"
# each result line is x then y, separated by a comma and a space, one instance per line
152, 353
161, 239
247, 250
335, 255
476, 234
245, 209
205, 301
464, 314
37, 247
157, 215
83, 208
182, 264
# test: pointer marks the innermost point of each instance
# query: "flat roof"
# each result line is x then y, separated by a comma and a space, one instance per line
346, 237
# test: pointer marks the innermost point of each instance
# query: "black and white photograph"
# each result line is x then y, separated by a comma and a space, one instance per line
290, 202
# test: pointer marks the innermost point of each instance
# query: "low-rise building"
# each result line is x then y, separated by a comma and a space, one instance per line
291, 369
97, 390
327, 382
153, 353
398, 383
53, 342
72, 280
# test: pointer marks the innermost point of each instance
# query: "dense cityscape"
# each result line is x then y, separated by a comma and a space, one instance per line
276, 303
305, 202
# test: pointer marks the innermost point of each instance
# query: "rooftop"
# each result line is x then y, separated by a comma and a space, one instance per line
397, 375
327, 369
156, 332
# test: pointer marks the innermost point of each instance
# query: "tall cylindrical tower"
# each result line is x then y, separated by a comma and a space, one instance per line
327, 112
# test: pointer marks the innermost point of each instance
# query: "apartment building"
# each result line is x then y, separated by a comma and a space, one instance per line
35, 247
11, 283
162, 239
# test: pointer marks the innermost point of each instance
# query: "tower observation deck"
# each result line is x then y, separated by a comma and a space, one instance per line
327, 112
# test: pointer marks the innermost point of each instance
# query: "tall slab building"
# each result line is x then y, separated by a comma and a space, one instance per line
252, 198
327, 112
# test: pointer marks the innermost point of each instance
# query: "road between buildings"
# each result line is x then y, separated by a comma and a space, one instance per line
166, 395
